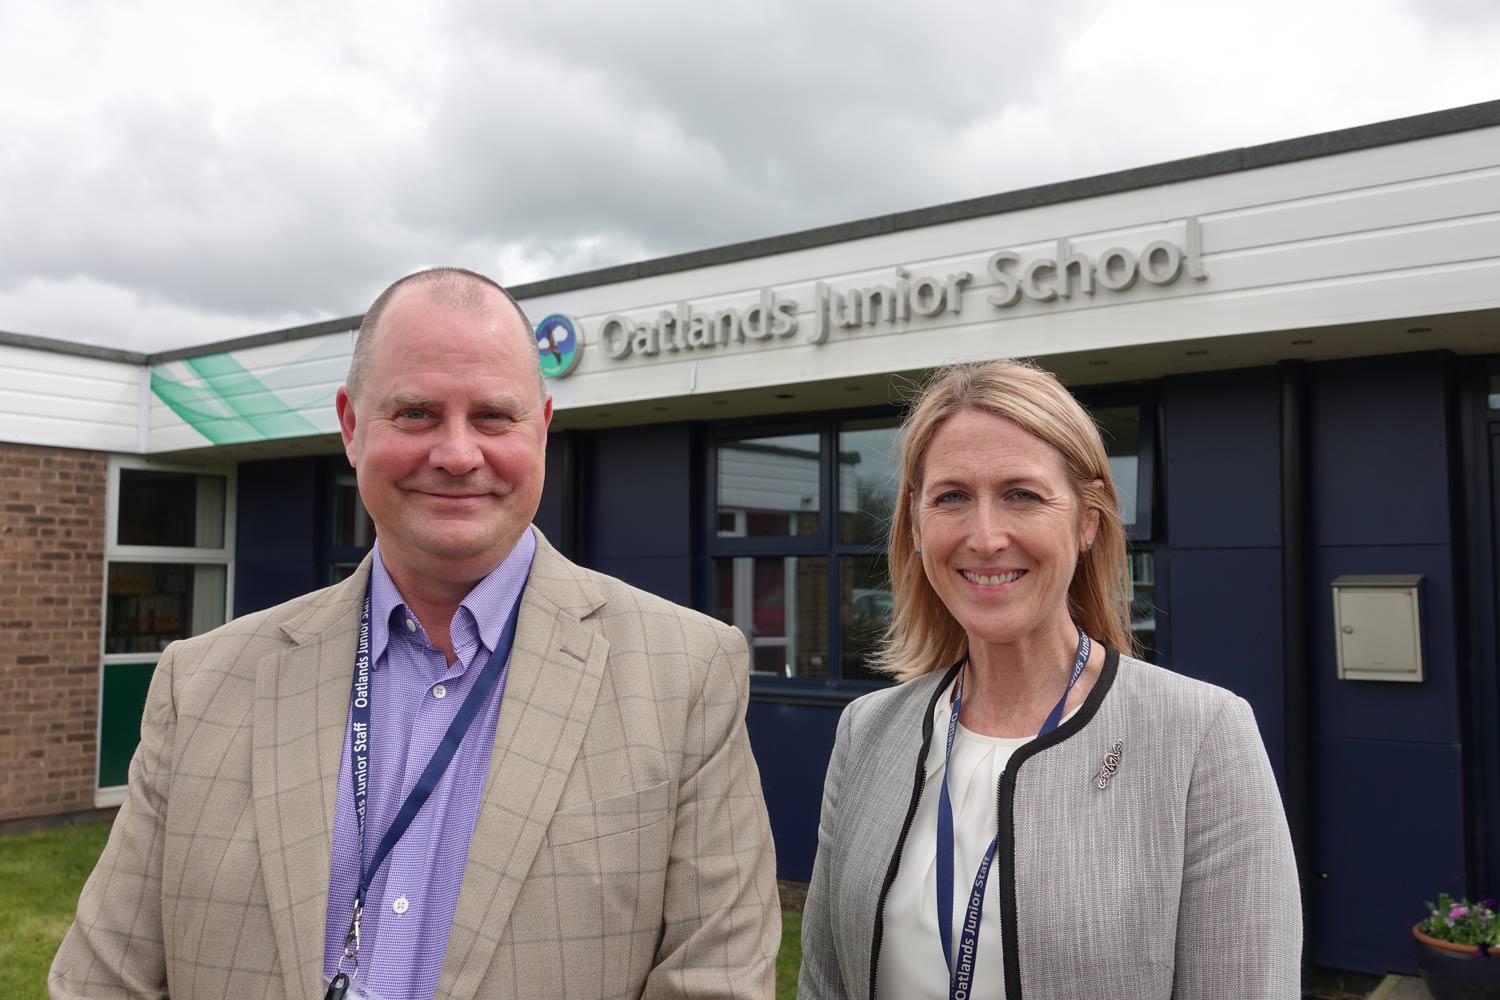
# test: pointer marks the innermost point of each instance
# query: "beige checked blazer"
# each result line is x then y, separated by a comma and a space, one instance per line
622, 848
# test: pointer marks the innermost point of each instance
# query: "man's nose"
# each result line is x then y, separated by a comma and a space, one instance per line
456, 450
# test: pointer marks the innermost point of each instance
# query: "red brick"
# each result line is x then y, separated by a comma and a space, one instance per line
52, 526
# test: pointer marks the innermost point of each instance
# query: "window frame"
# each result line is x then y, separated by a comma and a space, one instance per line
833, 688
1144, 528
1144, 533
112, 795
1147, 532
335, 555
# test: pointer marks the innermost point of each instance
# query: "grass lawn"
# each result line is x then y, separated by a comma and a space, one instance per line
790, 957
41, 875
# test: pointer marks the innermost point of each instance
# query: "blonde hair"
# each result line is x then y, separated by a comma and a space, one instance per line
923, 635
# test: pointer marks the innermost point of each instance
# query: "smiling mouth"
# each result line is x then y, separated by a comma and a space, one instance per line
992, 579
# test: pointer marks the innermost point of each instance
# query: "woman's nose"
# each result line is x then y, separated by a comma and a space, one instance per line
989, 531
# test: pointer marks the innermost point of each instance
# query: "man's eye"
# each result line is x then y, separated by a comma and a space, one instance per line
411, 414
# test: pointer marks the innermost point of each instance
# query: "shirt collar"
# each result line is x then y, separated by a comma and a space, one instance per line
489, 603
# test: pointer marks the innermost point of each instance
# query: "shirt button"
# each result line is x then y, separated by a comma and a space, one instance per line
411, 624
439, 691
401, 905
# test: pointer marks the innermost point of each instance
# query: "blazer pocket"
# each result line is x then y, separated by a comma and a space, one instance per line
579, 821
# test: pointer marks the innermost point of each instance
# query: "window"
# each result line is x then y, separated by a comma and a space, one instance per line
1127, 424
801, 575
353, 531
168, 559
799, 514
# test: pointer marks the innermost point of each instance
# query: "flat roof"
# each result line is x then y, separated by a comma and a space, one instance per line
1398, 130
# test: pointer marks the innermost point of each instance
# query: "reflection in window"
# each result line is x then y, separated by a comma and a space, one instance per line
1120, 427
864, 612
1143, 609
867, 480
768, 487
352, 527
152, 604
781, 604
171, 509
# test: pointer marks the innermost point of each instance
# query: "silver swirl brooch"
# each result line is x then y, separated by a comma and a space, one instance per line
1111, 765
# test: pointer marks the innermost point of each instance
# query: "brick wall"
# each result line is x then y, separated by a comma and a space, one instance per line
52, 523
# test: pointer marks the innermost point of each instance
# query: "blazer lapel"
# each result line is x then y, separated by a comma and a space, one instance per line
556, 668
300, 718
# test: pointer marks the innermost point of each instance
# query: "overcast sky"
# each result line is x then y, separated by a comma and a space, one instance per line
178, 172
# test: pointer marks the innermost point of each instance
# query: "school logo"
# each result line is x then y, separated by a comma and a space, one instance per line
559, 345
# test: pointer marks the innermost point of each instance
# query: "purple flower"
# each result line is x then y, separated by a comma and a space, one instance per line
1488, 903
1456, 912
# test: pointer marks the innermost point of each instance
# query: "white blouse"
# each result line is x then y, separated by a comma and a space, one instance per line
911, 954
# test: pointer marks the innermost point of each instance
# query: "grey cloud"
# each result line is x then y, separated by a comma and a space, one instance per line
701, 123
277, 209
1450, 16
538, 139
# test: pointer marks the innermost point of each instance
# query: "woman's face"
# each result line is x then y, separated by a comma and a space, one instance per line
999, 527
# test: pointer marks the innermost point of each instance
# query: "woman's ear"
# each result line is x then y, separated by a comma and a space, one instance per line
1090, 527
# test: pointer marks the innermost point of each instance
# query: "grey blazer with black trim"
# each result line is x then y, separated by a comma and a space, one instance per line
1175, 880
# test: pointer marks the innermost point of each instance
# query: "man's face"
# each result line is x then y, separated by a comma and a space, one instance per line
447, 437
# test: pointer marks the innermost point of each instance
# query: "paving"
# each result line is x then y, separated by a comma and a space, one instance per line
1401, 988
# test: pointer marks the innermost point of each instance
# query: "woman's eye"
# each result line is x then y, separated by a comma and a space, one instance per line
1025, 496
952, 496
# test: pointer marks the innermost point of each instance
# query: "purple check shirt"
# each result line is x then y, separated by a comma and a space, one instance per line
414, 695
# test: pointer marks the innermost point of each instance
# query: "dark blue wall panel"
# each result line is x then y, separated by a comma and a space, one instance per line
1226, 613
1223, 459
1222, 438
639, 493
1379, 446
549, 513
278, 521
1387, 838
792, 745
1387, 793
1385, 777
665, 576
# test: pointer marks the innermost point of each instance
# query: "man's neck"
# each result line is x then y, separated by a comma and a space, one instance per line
433, 601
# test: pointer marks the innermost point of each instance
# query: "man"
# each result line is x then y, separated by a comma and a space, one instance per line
598, 828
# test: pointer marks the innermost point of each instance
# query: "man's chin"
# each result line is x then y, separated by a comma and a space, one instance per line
463, 549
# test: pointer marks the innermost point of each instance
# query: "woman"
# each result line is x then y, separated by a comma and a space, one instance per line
1032, 813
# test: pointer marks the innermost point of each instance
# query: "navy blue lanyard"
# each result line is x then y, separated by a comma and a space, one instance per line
960, 980
359, 753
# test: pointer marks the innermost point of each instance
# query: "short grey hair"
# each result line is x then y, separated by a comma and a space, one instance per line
457, 287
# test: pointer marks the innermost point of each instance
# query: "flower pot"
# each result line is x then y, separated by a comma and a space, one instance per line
1457, 971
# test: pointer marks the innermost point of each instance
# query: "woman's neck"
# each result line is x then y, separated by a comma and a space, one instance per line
1010, 688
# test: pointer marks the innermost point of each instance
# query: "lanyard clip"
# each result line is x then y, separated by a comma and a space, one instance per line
351, 940
350, 955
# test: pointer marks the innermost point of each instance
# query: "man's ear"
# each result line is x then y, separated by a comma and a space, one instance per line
345, 407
